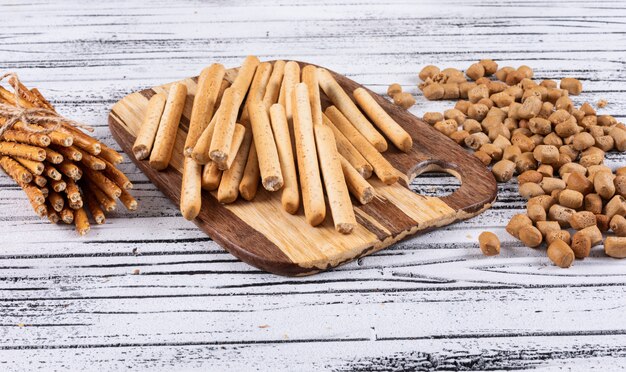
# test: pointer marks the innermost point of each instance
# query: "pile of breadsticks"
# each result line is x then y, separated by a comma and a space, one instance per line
63, 171
268, 126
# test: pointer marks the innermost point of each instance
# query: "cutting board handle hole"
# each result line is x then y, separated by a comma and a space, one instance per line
434, 180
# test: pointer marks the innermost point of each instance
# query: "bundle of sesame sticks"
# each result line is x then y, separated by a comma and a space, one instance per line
63, 171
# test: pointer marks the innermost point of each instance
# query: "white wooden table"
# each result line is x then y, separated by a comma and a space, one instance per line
432, 302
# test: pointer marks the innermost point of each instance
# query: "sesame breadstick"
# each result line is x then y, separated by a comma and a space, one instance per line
127, 199
290, 197
211, 176
310, 181
105, 184
168, 127
67, 215
58, 185
110, 155
35, 167
396, 134
56, 157
81, 221
94, 208
116, 176
40, 181
190, 190
383, 169
72, 191
334, 181
149, 126
91, 161
207, 90
358, 186
348, 151
70, 170
16, 170
57, 202
34, 139
22, 151
103, 199
269, 163
51, 172
343, 102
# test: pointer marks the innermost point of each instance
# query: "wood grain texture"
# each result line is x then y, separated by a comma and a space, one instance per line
262, 234
430, 302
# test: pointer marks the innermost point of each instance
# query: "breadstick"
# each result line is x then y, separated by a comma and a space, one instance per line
232, 178
348, 151
291, 195
23, 151
42, 99
94, 208
358, 186
35, 195
116, 176
383, 169
44, 191
70, 153
127, 199
40, 181
334, 181
310, 181
396, 134
89, 144
168, 127
103, 199
81, 221
51, 172
250, 181
309, 77
149, 126
110, 155
245, 75
58, 185
240, 131
290, 79
207, 90
191, 192
200, 152
211, 176
272, 90
225, 127
269, 163
34, 139
67, 215
35, 167
53, 216
91, 161
18, 172
343, 102
70, 170
57, 202
72, 191
105, 184
56, 157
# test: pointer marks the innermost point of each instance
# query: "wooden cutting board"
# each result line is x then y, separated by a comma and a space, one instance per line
263, 235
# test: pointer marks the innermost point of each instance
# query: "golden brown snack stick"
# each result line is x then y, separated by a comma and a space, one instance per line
168, 127
40, 181
310, 180
67, 215
22, 151
42, 99
81, 221
149, 126
58, 185
343, 102
103, 199
91, 161
69, 169
200, 152
34, 139
290, 79
396, 134
272, 90
52, 173
245, 75
56, 200
348, 151
190, 190
117, 176
383, 169
35, 167
72, 191
334, 181
127, 199
80, 139
211, 176
269, 163
53, 216
94, 208
290, 197
15, 170
224, 127
208, 88
309, 77
110, 155
56, 157
106, 185
251, 175
358, 186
